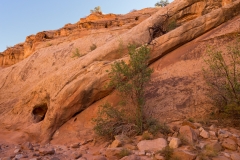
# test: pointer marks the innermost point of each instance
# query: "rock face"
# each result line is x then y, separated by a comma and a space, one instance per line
49, 86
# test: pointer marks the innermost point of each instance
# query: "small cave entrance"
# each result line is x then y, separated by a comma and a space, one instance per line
39, 112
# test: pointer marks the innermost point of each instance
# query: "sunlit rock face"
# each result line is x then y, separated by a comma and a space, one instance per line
58, 80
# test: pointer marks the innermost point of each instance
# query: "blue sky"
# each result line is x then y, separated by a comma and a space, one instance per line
20, 18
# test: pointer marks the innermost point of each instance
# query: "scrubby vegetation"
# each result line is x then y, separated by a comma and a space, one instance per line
129, 79
124, 152
76, 53
162, 3
223, 76
167, 153
96, 10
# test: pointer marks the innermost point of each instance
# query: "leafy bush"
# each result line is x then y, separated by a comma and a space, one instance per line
96, 10
162, 3
223, 77
130, 79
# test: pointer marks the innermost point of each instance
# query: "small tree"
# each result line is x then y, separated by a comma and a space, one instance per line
223, 77
96, 10
162, 3
130, 79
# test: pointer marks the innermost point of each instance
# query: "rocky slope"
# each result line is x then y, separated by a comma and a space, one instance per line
50, 95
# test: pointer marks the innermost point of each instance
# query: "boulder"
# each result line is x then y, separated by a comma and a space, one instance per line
214, 146
220, 158
116, 143
205, 134
159, 157
27, 146
46, 151
152, 145
184, 155
76, 155
229, 143
131, 157
189, 134
75, 145
112, 153
175, 143
190, 124
235, 156
99, 158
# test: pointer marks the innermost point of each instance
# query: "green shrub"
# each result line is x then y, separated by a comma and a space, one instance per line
162, 3
124, 152
152, 125
223, 76
171, 25
130, 79
167, 153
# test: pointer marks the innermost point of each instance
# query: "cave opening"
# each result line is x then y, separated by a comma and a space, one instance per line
39, 112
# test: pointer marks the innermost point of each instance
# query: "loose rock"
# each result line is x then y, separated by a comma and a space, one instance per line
152, 145
46, 151
229, 143
175, 143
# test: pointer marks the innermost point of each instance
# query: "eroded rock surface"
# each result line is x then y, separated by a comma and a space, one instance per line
50, 86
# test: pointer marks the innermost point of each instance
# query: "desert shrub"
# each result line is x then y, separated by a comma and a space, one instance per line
93, 47
206, 153
96, 10
124, 152
171, 25
112, 121
184, 140
76, 53
130, 79
164, 129
147, 136
162, 3
154, 126
223, 76
167, 153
